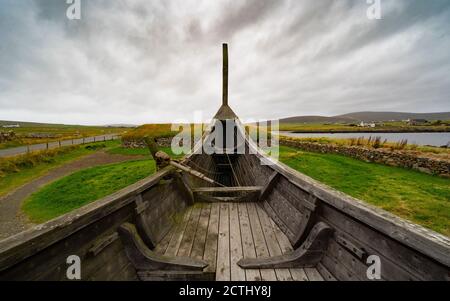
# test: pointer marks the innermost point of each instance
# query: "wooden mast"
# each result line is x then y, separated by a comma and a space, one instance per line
225, 112
225, 75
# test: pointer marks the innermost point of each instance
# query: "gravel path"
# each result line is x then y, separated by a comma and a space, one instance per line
13, 221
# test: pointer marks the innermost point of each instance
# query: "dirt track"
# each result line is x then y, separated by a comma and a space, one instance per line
12, 221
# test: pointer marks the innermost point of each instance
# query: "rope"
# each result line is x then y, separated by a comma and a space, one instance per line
205, 170
232, 170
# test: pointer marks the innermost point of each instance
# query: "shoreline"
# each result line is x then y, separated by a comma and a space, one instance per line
364, 132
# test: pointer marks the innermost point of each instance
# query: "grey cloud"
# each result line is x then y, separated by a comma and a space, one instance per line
156, 61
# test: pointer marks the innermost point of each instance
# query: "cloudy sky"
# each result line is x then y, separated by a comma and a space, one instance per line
159, 61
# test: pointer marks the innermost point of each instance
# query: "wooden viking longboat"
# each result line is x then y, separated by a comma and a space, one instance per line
227, 216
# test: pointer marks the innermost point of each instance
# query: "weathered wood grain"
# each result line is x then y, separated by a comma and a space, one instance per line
248, 244
143, 258
187, 240
327, 276
236, 253
177, 236
307, 255
260, 243
212, 239
223, 270
400, 260
272, 243
198, 248
313, 274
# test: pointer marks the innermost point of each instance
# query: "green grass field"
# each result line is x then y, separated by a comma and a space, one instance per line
54, 132
415, 196
17, 171
83, 187
141, 151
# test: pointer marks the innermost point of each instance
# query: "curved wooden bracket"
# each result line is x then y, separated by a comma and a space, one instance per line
143, 258
307, 255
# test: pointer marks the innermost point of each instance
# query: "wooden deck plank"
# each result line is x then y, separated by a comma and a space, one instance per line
223, 233
161, 247
272, 243
237, 273
299, 274
248, 246
198, 249
177, 235
325, 273
189, 233
313, 274
223, 272
259, 240
210, 254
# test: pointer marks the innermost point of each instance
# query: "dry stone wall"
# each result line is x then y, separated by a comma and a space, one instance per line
383, 156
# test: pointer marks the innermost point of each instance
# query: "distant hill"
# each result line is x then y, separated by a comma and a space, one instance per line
121, 125
28, 124
316, 119
387, 116
367, 117
37, 124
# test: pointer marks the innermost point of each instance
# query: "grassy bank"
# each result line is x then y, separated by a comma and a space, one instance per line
18, 175
141, 151
415, 196
19, 170
83, 187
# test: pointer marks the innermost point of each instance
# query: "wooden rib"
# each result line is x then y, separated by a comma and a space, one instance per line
227, 189
198, 249
248, 246
210, 254
237, 273
177, 236
260, 243
272, 243
189, 233
223, 251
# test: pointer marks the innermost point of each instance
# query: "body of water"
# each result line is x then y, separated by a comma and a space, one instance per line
434, 139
